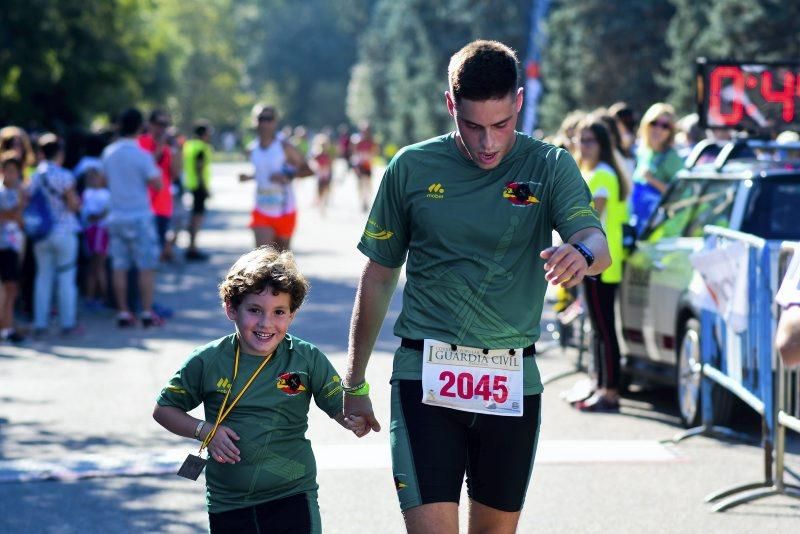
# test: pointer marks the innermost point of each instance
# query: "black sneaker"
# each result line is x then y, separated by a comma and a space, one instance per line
125, 320
150, 319
196, 255
14, 337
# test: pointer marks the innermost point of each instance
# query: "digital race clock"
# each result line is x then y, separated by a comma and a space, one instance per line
749, 96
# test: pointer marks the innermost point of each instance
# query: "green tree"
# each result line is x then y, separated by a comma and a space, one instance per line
600, 52
304, 51
62, 62
406, 49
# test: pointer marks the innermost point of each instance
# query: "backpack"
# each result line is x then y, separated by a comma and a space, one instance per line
37, 218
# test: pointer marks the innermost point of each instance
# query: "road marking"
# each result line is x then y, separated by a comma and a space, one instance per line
329, 457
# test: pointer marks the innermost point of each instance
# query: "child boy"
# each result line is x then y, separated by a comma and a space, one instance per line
261, 473
11, 238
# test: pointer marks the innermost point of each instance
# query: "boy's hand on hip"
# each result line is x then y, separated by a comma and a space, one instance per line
360, 406
221, 448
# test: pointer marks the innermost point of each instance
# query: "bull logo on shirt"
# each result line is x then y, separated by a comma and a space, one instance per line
519, 194
290, 384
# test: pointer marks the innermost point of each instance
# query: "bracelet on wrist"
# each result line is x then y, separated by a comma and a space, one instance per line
199, 429
359, 390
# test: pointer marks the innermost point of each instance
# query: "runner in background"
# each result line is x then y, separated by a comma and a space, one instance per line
276, 162
322, 163
364, 149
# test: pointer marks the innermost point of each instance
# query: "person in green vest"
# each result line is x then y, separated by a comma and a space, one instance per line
610, 189
256, 386
197, 153
471, 214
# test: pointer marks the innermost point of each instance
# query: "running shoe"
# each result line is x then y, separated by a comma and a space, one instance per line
13, 337
196, 255
125, 320
598, 405
150, 319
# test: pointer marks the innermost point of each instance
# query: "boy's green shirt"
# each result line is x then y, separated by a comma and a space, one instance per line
271, 418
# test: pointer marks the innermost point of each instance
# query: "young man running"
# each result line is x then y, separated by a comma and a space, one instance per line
471, 213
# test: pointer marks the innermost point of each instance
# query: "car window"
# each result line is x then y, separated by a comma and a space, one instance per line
713, 207
772, 209
675, 211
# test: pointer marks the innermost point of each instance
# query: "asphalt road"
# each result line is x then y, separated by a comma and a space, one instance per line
79, 451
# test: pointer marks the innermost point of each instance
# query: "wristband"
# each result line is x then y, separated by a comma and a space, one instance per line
199, 429
358, 390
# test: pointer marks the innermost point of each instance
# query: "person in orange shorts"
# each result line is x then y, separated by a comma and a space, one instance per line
276, 162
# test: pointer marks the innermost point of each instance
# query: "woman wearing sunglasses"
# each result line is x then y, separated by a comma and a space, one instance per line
657, 162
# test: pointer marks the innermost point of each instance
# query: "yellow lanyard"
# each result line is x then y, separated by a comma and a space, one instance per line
223, 413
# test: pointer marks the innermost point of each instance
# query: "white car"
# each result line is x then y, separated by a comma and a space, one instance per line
660, 293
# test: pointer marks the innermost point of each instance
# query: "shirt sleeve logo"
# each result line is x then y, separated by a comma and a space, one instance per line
519, 194
375, 231
435, 191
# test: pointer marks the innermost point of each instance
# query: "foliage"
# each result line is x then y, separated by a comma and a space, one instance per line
601, 52
61, 62
406, 50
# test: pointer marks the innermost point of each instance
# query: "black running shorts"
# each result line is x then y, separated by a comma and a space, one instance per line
432, 448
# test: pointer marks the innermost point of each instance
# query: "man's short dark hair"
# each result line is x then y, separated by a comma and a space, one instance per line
50, 145
129, 122
201, 127
157, 114
483, 70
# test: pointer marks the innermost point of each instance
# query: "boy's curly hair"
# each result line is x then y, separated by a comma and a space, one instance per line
262, 268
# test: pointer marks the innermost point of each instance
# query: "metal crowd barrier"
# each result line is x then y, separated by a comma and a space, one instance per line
746, 364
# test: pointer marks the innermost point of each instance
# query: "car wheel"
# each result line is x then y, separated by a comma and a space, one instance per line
688, 393
689, 379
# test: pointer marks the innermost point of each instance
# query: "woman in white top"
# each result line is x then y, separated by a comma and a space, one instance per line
275, 163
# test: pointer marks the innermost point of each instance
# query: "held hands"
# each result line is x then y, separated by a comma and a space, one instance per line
221, 448
356, 424
564, 265
358, 410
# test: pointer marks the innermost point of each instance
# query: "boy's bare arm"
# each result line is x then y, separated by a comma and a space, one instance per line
221, 447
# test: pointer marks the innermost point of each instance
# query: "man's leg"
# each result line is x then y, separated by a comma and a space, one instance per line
146, 286
264, 235
120, 281
487, 520
434, 518
428, 459
501, 455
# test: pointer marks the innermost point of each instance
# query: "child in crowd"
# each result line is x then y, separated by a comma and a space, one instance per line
11, 239
256, 386
96, 200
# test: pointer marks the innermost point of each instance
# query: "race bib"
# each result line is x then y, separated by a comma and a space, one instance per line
472, 380
271, 196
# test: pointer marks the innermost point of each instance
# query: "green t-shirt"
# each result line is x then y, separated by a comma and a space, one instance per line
473, 238
192, 149
603, 183
271, 418
663, 165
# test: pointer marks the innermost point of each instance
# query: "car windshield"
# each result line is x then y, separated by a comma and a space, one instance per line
772, 210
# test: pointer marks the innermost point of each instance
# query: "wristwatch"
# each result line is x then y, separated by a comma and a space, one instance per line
585, 252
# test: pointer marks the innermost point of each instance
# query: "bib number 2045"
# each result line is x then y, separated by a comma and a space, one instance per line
463, 385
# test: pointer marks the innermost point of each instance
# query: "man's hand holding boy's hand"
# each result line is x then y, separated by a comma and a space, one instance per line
357, 424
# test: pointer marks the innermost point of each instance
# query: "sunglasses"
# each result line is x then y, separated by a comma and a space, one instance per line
266, 118
163, 124
664, 125
587, 141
